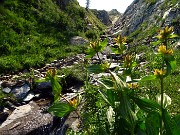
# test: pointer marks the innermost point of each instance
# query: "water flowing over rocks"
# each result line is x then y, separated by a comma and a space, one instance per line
20, 92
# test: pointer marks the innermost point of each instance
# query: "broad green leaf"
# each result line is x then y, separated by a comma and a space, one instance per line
168, 70
116, 50
169, 58
110, 93
147, 105
148, 78
168, 123
118, 81
173, 65
152, 124
125, 110
176, 125
60, 109
173, 36
156, 43
104, 96
90, 54
103, 44
171, 125
56, 87
40, 80
170, 63
95, 69
111, 96
106, 83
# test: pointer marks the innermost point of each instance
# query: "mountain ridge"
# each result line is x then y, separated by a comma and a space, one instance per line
144, 17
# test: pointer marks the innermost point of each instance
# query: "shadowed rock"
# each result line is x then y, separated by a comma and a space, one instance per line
26, 119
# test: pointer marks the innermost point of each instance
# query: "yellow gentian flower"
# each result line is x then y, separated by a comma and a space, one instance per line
120, 40
165, 33
128, 59
73, 102
133, 85
95, 44
159, 72
51, 72
163, 50
105, 65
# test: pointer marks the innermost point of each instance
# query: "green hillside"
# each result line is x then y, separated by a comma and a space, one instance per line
35, 32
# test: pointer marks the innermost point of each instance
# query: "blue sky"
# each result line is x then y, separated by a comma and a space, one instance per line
107, 5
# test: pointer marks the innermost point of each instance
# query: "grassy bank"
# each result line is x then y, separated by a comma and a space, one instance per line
36, 32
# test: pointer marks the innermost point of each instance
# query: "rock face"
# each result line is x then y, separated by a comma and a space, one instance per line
28, 114
78, 41
103, 16
114, 15
25, 119
148, 13
21, 92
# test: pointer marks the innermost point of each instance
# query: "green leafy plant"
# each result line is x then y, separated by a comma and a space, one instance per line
59, 108
168, 65
128, 112
116, 104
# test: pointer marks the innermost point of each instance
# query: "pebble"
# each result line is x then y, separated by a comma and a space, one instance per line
29, 97
6, 90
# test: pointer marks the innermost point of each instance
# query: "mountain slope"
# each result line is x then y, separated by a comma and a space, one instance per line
145, 17
34, 32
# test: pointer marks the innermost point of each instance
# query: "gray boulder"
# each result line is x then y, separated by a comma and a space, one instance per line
25, 119
77, 40
21, 92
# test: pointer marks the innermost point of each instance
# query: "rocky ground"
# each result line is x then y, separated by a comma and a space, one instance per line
28, 113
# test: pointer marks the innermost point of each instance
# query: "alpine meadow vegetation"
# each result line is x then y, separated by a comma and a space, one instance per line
117, 104
128, 99
34, 33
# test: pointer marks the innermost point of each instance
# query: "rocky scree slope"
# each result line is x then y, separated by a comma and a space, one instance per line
114, 15
103, 16
148, 16
107, 17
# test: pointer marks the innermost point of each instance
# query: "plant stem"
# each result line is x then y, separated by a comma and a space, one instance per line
99, 57
162, 113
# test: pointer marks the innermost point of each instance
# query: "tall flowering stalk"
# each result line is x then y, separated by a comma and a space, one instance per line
123, 115
165, 52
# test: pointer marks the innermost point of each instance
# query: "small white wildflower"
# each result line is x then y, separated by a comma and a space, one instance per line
110, 115
166, 100
128, 79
